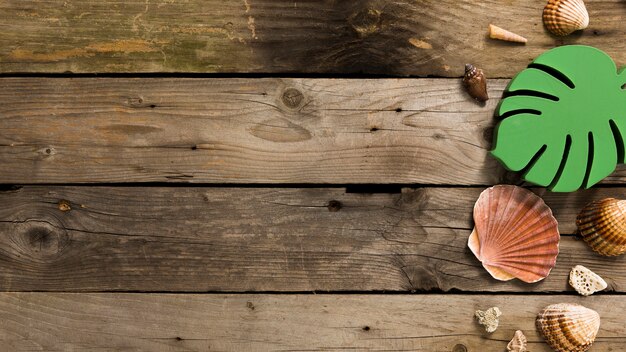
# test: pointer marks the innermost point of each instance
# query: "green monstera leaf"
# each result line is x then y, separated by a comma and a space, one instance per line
564, 119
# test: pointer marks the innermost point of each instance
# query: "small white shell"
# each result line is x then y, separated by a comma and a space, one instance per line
489, 318
496, 32
585, 281
518, 343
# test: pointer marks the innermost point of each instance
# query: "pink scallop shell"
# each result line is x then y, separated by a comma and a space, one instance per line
515, 234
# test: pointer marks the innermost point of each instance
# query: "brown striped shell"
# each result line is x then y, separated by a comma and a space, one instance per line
475, 83
562, 17
602, 225
568, 327
515, 234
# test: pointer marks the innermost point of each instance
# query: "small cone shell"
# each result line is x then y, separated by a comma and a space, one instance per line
518, 343
475, 83
515, 234
496, 32
568, 327
562, 17
585, 281
602, 225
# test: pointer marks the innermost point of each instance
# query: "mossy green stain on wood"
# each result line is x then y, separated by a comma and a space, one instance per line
564, 118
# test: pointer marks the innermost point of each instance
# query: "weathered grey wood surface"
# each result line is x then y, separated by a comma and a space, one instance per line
162, 322
423, 131
253, 239
371, 36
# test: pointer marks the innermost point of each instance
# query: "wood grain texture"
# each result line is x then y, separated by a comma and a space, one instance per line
162, 322
254, 239
364, 36
425, 131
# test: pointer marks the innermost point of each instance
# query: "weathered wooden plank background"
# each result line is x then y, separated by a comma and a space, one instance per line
222, 203
272, 239
252, 322
403, 37
424, 131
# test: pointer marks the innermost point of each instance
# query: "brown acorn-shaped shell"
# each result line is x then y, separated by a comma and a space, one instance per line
562, 17
568, 327
515, 234
475, 83
603, 226
496, 32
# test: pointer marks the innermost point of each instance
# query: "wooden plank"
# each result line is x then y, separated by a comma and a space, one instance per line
162, 322
252, 239
402, 37
423, 131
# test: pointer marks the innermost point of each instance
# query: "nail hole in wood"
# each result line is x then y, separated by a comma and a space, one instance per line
64, 205
459, 348
366, 328
334, 206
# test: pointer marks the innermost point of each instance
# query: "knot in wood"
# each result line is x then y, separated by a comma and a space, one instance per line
40, 239
135, 102
365, 22
292, 98
459, 348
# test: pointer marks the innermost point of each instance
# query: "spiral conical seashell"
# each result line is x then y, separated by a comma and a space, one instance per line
562, 17
475, 83
568, 327
515, 234
603, 226
496, 32
518, 343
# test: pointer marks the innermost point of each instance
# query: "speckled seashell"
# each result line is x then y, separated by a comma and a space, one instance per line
518, 343
602, 225
496, 32
515, 234
562, 17
585, 281
475, 83
568, 327
489, 318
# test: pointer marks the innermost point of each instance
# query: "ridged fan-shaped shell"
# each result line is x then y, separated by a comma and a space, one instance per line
603, 226
568, 327
515, 234
562, 17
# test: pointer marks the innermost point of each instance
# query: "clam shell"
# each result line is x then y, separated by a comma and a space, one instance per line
585, 281
515, 234
475, 83
519, 343
496, 32
602, 225
562, 17
568, 327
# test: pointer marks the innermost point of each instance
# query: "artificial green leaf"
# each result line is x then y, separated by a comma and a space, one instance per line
564, 119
